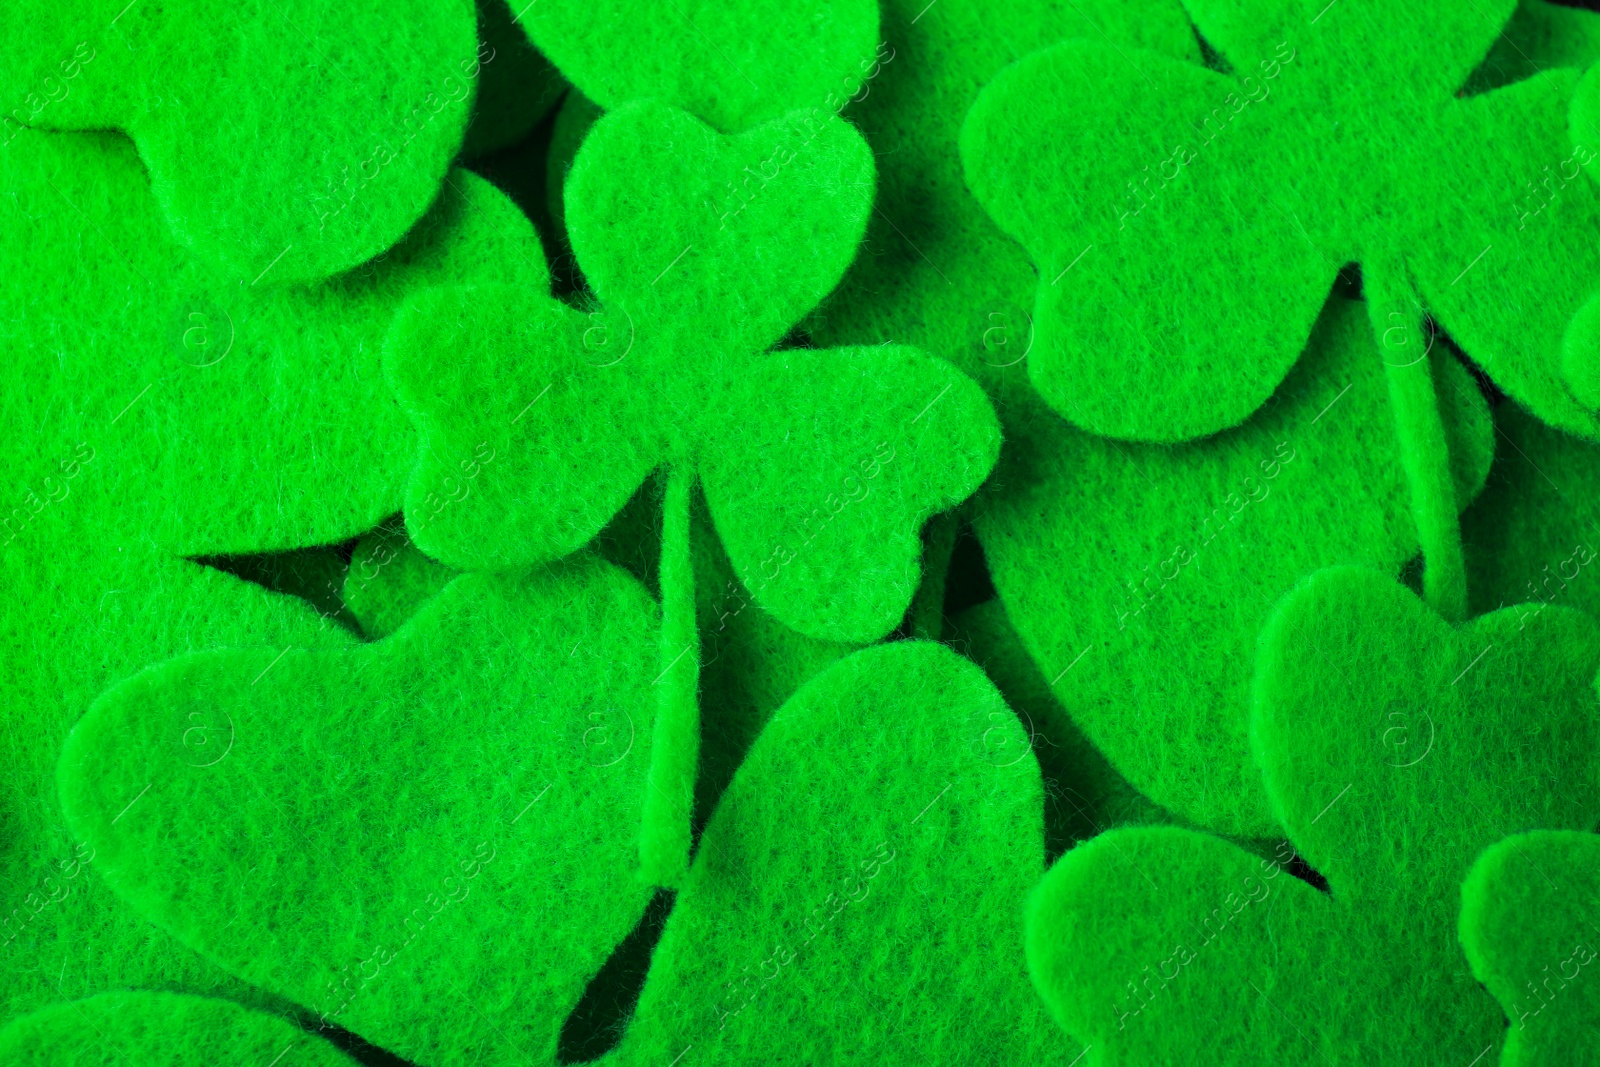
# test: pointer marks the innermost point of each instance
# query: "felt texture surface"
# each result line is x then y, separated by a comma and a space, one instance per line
751, 663
819, 466
1527, 926
1532, 536
1238, 197
145, 359
733, 65
934, 270
1139, 576
75, 622
516, 85
666, 836
159, 1030
1539, 36
389, 579
291, 138
578, 113
1394, 749
459, 800
154, 410
859, 890
1088, 794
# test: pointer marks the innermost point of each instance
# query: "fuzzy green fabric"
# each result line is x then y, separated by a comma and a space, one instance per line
1088, 794
163, 357
1394, 750
1238, 197
287, 140
1533, 536
1527, 925
860, 888
733, 65
389, 579
516, 85
750, 664
1539, 36
316, 575
156, 411
76, 622
389, 784
934, 270
1139, 576
819, 467
159, 1030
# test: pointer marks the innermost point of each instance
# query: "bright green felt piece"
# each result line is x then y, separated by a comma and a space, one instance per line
1236, 199
389, 784
750, 664
819, 467
156, 410
287, 138
76, 619
578, 113
859, 890
389, 579
1089, 795
223, 417
734, 65
316, 575
1528, 913
1539, 36
934, 270
1139, 575
159, 1030
1532, 538
1394, 749
516, 85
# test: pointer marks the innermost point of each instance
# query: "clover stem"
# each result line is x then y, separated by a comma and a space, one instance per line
664, 837
927, 608
1398, 320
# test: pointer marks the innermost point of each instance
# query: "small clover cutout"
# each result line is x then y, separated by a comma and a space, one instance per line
458, 802
1394, 749
1528, 927
1238, 197
861, 884
286, 141
539, 421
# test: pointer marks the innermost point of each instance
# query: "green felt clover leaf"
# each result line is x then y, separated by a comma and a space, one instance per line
77, 619
286, 139
222, 417
934, 270
1139, 576
1533, 536
1394, 749
1528, 927
859, 890
159, 1030
1184, 255
819, 467
459, 802
734, 65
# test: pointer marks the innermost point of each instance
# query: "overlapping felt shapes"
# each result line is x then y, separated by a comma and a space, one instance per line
800, 533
